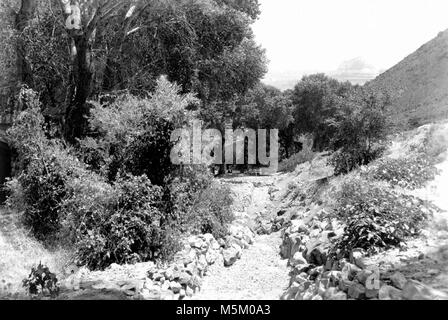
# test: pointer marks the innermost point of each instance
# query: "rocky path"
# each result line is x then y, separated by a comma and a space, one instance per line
260, 274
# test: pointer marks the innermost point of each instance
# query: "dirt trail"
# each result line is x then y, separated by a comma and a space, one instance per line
260, 274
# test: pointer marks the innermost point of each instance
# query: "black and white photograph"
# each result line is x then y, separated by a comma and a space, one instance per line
232, 151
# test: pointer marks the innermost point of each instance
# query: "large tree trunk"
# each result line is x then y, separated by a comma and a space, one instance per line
75, 115
82, 36
26, 13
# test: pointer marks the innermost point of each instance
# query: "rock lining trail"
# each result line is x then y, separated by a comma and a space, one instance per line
260, 274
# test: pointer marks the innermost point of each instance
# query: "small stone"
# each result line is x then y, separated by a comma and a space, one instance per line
398, 280
297, 259
169, 274
389, 293
230, 256
357, 291
196, 242
151, 294
211, 256
208, 237
175, 286
357, 258
184, 278
363, 275
372, 293
433, 272
189, 292
308, 295
345, 285
334, 294
350, 271
182, 293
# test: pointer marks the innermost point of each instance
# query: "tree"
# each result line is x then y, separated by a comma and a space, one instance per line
359, 125
314, 101
126, 45
82, 19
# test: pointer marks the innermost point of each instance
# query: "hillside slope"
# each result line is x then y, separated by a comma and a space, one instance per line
419, 84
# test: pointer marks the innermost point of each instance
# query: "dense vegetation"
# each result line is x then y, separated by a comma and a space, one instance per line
96, 105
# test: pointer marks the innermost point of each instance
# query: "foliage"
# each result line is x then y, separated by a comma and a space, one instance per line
348, 159
409, 172
132, 135
305, 155
315, 100
200, 206
127, 228
211, 211
134, 214
41, 281
40, 187
376, 216
359, 126
51, 77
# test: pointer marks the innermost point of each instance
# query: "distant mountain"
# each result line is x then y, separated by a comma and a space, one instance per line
356, 70
419, 84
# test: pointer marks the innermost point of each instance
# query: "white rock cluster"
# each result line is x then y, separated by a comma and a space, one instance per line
316, 276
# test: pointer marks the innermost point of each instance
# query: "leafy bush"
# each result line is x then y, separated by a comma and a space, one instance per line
305, 155
41, 281
346, 160
128, 203
132, 135
377, 217
211, 212
128, 228
200, 206
40, 187
411, 172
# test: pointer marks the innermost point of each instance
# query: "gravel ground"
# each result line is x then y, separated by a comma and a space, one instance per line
260, 274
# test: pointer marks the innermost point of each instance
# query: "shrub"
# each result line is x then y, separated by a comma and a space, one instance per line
346, 160
132, 135
41, 186
128, 204
199, 205
211, 212
41, 282
127, 228
377, 217
411, 172
305, 155
61, 199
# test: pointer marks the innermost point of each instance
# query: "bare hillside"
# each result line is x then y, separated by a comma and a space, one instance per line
419, 84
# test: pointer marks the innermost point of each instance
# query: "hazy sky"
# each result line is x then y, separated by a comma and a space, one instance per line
317, 35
